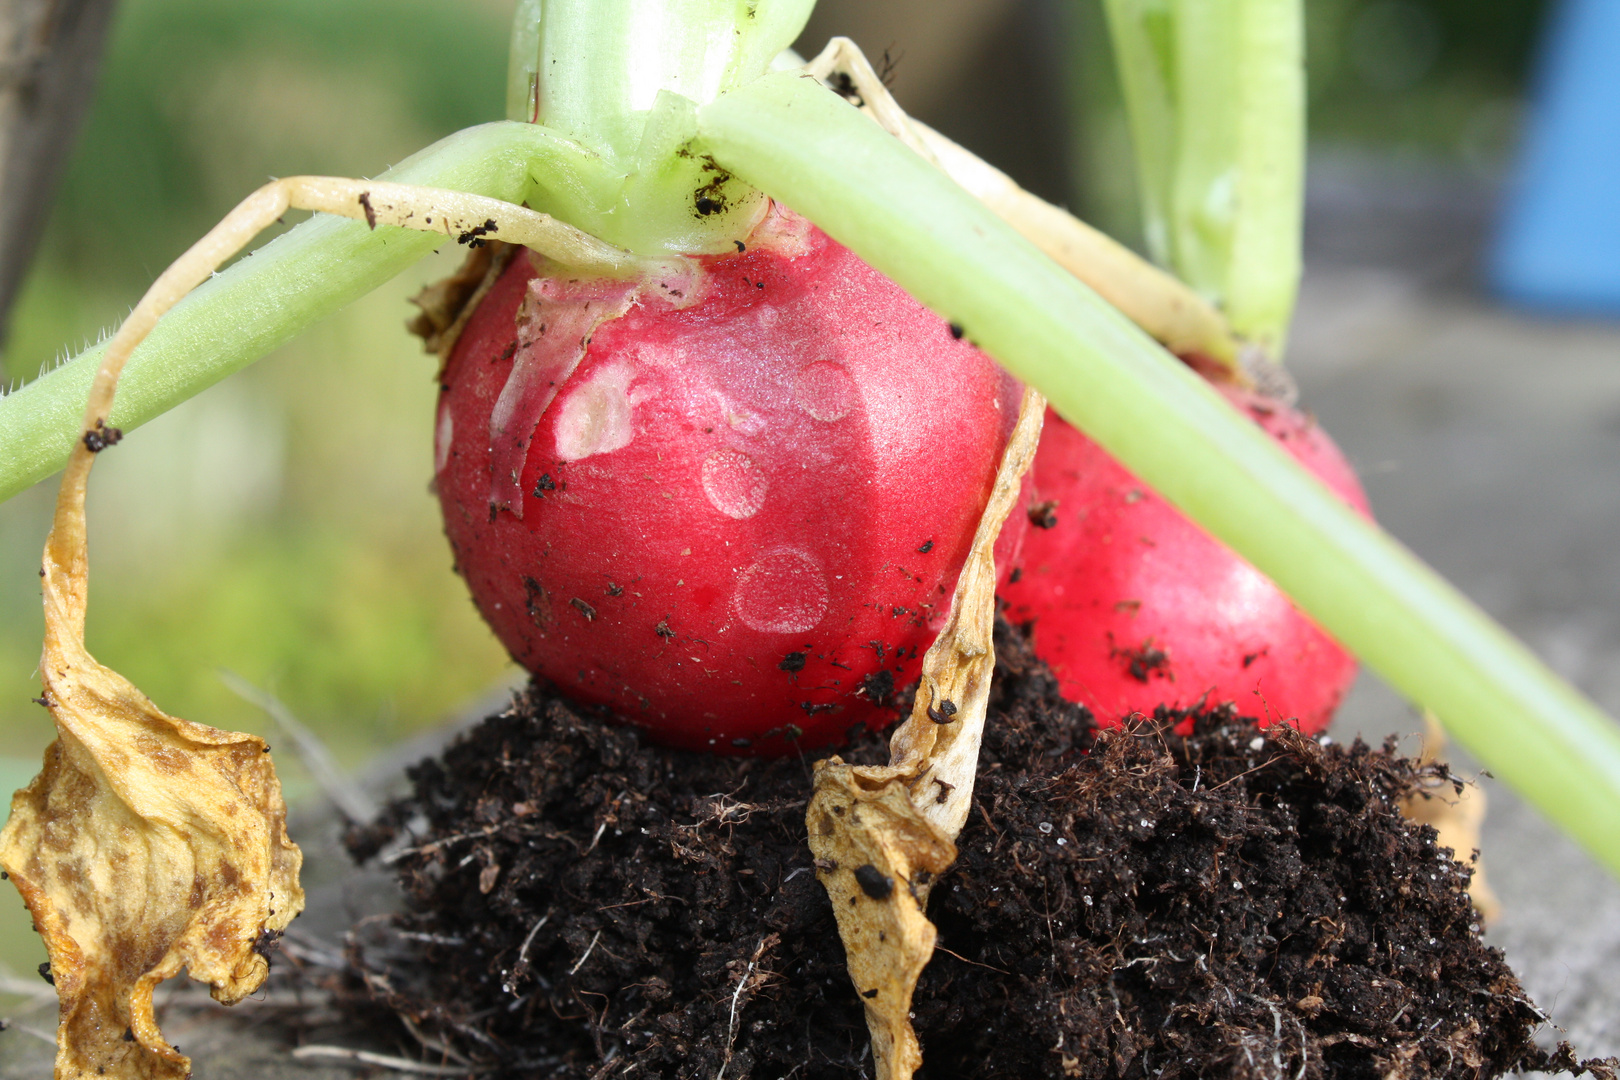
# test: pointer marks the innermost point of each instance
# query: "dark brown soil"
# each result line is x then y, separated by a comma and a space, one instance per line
1126, 904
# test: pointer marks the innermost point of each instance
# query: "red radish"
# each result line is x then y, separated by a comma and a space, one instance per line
1134, 606
729, 504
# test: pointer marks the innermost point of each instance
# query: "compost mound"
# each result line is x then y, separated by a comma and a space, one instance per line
1191, 896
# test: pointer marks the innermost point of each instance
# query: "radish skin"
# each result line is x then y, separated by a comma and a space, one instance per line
729, 501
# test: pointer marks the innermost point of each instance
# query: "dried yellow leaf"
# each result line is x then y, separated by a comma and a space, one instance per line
877, 856
146, 844
881, 835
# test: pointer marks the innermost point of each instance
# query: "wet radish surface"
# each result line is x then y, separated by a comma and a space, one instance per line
729, 503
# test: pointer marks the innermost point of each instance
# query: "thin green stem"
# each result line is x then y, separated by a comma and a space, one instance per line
262, 301
810, 149
1215, 93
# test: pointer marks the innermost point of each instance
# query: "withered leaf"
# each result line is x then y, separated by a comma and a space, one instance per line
861, 832
881, 835
146, 844
446, 305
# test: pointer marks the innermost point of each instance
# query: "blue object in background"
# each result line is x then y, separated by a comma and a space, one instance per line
1558, 247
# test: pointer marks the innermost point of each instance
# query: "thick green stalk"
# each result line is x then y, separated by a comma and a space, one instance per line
523, 62
1215, 93
622, 78
262, 301
808, 148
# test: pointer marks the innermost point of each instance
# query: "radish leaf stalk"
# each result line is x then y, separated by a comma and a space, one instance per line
1215, 95
805, 146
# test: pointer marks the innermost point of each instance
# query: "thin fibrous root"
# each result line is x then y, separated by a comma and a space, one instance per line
318, 1052
341, 791
843, 57
458, 215
1158, 302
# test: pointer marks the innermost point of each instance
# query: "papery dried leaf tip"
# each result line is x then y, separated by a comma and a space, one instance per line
882, 835
146, 844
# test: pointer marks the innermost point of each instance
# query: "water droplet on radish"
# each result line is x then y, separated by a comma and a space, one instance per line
734, 484
783, 592
595, 417
441, 437
824, 390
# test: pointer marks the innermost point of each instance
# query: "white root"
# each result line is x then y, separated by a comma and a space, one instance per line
456, 214
322, 1052
843, 57
340, 790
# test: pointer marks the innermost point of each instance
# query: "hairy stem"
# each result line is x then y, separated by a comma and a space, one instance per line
261, 301
807, 147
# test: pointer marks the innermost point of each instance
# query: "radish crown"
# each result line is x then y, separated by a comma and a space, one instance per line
623, 81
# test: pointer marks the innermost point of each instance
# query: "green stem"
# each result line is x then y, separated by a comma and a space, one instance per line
1215, 93
602, 66
523, 62
263, 300
807, 147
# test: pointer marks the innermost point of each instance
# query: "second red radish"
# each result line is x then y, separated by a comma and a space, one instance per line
1135, 607
729, 500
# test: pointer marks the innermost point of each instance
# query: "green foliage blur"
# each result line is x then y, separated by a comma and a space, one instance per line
1438, 76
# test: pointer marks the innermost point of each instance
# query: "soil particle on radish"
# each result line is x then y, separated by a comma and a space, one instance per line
1127, 903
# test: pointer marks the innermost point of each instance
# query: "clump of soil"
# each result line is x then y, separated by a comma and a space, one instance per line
1127, 904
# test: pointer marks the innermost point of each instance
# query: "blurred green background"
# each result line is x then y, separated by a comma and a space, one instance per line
280, 525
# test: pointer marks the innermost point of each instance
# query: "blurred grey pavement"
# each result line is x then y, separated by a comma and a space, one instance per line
1489, 441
